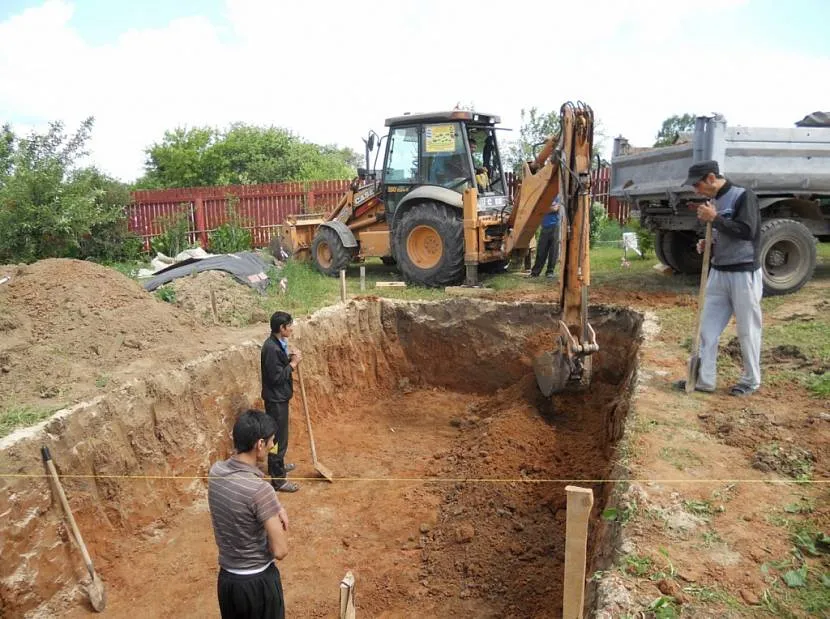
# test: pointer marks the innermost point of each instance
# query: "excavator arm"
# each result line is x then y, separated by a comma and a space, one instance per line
563, 167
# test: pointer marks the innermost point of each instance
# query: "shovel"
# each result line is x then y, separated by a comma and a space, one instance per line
694, 360
323, 470
97, 594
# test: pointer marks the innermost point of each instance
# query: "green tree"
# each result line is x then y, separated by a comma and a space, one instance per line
536, 127
50, 207
672, 127
242, 154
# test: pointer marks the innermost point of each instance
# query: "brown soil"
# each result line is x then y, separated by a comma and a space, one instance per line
441, 407
235, 304
67, 324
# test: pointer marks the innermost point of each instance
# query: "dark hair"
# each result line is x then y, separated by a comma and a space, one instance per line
251, 426
278, 319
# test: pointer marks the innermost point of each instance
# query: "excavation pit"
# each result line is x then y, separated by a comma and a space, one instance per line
427, 413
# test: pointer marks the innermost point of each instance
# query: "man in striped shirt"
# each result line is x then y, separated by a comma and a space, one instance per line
249, 524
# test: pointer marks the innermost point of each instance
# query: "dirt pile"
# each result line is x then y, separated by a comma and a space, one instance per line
66, 324
235, 305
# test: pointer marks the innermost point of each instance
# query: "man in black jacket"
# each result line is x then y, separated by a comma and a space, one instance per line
277, 366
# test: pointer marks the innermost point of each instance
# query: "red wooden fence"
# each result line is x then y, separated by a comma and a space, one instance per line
263, 208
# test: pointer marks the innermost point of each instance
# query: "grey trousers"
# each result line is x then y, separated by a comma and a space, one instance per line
727, 294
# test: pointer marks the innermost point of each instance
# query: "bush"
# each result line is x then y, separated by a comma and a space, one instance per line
598, 218
50, 208
645, 237
175, 236
232, 236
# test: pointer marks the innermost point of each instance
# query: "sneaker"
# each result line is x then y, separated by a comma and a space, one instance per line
288, 486
290, 467
551, 275
741, 391
680, 385
534, 275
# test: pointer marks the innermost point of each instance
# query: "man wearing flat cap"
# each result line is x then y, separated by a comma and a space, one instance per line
735, 282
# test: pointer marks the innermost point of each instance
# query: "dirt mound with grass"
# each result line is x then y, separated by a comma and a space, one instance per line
66, 325
214, 297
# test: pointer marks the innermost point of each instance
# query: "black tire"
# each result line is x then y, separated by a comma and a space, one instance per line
787, 254
658, 247
665, 240
428, 245
681, 251
328, 253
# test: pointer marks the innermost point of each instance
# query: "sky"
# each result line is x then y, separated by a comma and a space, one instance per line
330, 70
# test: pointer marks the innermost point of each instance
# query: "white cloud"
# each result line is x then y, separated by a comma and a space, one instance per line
329, 70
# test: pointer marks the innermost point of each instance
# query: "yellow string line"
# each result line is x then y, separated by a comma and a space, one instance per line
468, 480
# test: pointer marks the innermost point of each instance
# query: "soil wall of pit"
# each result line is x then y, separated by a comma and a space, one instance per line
139, 451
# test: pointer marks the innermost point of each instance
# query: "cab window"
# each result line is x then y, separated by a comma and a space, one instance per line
444, 155
402, 163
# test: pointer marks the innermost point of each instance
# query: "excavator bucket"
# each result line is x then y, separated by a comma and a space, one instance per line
553, 370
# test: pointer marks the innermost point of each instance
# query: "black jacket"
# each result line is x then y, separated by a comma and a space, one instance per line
277, 381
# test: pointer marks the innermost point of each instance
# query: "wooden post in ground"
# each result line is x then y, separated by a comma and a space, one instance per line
580, 501
347, 608
213, 306
362, 277
343, 285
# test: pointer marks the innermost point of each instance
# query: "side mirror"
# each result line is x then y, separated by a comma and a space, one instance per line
371, 143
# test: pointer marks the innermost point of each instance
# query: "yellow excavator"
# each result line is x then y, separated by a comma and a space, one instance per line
439, 209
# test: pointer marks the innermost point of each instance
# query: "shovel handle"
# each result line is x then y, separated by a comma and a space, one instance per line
704, 278
47, 460
307, 416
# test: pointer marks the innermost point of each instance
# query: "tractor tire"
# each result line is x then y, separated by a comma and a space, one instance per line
787, 255
428, 244
328, 253
681, 251
658, 247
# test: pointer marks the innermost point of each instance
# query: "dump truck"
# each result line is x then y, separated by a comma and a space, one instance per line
439, 209
788, 169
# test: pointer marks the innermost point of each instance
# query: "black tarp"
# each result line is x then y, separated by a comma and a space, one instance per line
245, 267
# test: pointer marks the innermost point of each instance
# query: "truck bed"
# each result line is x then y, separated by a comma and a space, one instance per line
769, 161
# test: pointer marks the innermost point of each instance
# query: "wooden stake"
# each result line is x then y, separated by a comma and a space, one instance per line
347, 608
343, 285
362, 277
213, 306
580, 501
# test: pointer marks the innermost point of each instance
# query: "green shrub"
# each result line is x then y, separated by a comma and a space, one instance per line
175, 236
598, 219
232, 236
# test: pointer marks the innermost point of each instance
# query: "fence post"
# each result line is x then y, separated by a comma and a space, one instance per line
199, 212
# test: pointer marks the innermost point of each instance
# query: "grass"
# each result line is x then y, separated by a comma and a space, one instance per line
14, 417
680, 457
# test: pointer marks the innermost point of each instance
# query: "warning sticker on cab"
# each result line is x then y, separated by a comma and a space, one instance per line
439, 138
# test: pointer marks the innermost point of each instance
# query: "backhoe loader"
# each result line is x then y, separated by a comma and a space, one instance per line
440, 210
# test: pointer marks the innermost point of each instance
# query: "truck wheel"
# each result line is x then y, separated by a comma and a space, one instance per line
665, 239
681, 251
658, 247
787, 254
328, 253
428, 244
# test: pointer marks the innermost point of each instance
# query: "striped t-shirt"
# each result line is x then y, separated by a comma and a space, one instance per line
240, 502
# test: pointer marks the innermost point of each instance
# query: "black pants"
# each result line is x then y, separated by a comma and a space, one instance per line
547, 250
258, 596
276, 462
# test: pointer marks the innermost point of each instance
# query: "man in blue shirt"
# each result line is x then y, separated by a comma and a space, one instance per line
548, 247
